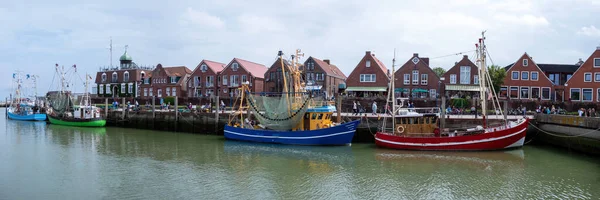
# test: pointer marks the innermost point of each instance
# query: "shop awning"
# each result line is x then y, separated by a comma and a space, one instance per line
367, 89
470, 88
313, 87
419, 90
400, 90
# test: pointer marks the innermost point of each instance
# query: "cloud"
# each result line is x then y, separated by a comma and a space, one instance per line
251, 23
589, 31
200, 18
527, 19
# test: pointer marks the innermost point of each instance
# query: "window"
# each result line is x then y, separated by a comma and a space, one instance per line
209, 92
225, 79
598, 95
234, 80
545, 93
203, 67
367, 78
150, 91
147, 81
475, 79
130, 88
174, 91
575, 94
524, 92
415, 80
587, 94
423, 79
310, 65
515, 75
158, 92
525, 62
142, 75
244, 78
432, 93
514, 92
173, 79
234, 67
196, 81
596, 62
168, 91
114, 77
104, 77
145, 92
320, 76
122, 88
524, 76
108, 89
126, 76
555, 79
452, 78
534, 76
465, 75
210, 81
596, 77
368, 63
535, 92
587, 77
569, 76
406, 79
101, 89
504, 91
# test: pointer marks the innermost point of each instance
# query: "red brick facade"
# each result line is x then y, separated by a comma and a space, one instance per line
238, 71
203, 80
166, 81
526, 81
416, 78
322, 74
584, 85
273, 76
368, 73
464, 74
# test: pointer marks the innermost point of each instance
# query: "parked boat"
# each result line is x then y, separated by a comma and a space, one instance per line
293, 116
64, 112
22, 108
414, 131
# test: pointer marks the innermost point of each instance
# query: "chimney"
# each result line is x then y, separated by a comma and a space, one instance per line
426, 60
327, 61
598, 48
415, 55
465, 57
368, 53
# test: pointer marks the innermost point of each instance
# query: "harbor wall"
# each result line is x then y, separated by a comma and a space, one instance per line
575, 133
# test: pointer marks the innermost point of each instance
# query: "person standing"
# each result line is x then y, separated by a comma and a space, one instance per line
354, 109
359, 107
374, 107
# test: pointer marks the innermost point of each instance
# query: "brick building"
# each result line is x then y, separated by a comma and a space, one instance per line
584, 85
121, 81
274, 76
203, 79
462, 79
238, 71
166, 82
370, 77
322, 76
416, 79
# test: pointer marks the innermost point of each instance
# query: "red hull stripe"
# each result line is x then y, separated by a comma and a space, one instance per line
451, 143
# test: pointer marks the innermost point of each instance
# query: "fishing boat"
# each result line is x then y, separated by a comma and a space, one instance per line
411, 130
22, 108
293, 116
64, 112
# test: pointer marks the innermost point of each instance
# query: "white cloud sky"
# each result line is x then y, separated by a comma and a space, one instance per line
37, 34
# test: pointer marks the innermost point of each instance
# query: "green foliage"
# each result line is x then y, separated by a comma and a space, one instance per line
439, 71
459, 103
497, 75
168, 100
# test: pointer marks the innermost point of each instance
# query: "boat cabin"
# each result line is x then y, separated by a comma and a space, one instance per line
317, 118
424, 125
86, 112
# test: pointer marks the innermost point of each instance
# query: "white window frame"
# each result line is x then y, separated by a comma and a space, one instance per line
571, 94
159, 92
452, 78
537, 76
108, 89
596, 60
597, 75
500, 92
368, 64
528, 92
225, 79
203, 68
130, 88
542, 93
145, 92
476, 79
433, 93
591, 98
122, 88
210, 81
372, 78
598, 94
173, 79
167, 92
415, 77
512, 77
196, 82
126, 76
151, 92
234, 67
103, 77
174, 91
406, 79
518, 92
465, 75
522, 77
424, 78
114, 78
591, 78
100, 89
525, 62
531, 92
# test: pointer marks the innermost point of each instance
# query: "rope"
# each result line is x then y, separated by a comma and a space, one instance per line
454, 54
564, 136
368, 125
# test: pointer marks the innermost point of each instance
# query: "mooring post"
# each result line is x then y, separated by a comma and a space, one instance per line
153, 108
106, 108
218, 106
124, 108
505, 110
339, 108
176, 109
443, 114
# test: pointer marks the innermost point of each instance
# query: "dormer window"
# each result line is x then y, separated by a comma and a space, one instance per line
525, 62
114, 77
126, 76
103, 77
173, 79
234, 66
596, 62
143, 75
203, 67
368, 63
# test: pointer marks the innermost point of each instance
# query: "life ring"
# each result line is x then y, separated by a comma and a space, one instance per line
400, 129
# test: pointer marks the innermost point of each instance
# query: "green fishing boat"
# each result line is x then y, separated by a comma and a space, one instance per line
97, 122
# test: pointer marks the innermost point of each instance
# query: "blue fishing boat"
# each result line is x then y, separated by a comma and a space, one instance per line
294, 116
24, 109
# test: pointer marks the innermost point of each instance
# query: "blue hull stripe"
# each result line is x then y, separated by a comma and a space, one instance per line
32, 117
293, 138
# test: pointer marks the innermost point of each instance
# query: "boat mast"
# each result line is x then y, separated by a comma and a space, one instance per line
481, 58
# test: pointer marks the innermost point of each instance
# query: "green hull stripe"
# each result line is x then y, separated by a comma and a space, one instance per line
96, 123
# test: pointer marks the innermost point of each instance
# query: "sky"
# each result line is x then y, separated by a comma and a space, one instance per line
37, 34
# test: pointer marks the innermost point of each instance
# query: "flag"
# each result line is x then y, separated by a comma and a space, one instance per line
14, 75
27, 76
56, 64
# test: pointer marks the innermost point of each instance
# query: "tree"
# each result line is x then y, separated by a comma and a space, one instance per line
439, 71
497, 75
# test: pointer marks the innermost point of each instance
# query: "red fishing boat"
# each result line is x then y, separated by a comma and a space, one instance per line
412, 130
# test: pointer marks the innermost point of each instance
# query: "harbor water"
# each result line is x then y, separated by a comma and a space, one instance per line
40, 161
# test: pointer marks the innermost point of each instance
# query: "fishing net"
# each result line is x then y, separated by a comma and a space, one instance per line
279, 112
